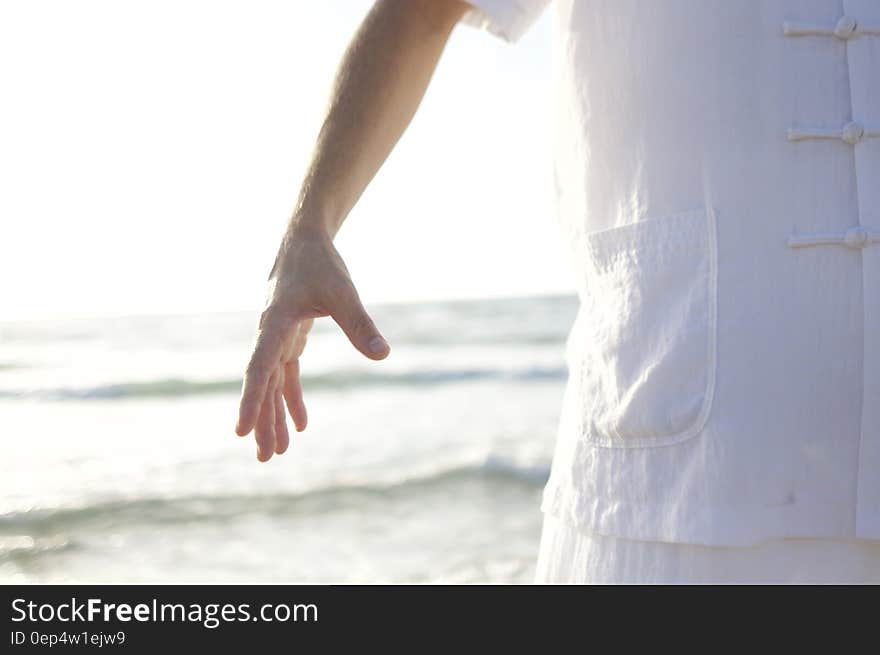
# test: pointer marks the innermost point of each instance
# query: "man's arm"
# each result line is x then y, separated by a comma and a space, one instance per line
382, 78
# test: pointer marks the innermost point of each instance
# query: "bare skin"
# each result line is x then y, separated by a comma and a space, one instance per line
380, 83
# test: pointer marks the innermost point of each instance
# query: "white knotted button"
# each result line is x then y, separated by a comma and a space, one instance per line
845, 27
852, 133
856, 237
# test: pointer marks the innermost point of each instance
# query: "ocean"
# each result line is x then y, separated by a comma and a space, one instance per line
119, 464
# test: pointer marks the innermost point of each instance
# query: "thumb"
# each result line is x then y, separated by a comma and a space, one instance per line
351, 316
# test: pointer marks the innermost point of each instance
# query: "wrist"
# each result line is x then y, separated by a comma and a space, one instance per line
316, 218
302, 237
308, 231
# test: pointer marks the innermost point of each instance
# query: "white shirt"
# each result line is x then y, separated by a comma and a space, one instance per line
718, 174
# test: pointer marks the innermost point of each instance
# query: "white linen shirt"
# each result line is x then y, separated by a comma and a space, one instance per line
718, 176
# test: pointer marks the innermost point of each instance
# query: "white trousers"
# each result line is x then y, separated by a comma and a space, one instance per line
569, 555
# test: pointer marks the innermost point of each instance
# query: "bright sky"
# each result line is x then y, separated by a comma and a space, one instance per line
151, 151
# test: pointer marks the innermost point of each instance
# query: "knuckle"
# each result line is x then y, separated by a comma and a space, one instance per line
361, 323
256, 368
267, 316
276, 317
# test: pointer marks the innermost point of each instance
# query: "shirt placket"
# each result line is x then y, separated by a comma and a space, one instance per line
859, 27
864, 69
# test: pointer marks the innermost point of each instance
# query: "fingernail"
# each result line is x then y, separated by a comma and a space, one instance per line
378, 345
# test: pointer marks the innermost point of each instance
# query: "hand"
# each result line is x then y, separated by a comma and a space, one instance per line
309, 280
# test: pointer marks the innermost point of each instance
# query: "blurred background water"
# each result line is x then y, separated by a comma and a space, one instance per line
118, 461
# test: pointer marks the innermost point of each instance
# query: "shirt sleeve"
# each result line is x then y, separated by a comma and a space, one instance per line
508, 19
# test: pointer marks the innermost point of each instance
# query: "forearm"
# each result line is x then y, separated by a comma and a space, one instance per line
380, 83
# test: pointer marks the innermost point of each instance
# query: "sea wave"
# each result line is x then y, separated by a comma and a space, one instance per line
22, 546
214, 507
177, 387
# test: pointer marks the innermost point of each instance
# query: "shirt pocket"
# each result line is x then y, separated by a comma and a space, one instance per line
648, 331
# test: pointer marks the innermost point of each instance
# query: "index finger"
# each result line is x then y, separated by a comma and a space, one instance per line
266, 357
